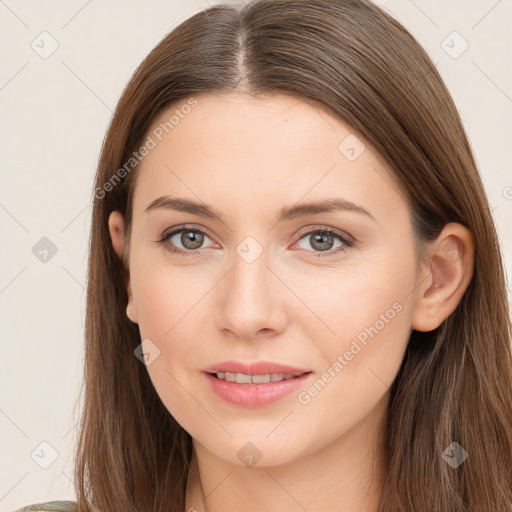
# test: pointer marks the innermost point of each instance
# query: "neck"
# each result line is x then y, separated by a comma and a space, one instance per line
345, 475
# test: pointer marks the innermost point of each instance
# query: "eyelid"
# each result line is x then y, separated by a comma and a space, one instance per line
302, 232
322, 227
176, 229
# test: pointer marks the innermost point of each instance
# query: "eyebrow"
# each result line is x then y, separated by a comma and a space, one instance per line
286, 213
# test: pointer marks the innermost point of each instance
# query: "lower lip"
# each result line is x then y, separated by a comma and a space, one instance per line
255, 395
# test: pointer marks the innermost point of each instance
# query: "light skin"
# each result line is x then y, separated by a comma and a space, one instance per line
247, 158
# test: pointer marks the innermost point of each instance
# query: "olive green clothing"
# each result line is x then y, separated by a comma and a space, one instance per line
50, 506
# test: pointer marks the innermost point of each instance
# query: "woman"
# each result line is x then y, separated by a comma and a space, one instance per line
296, 298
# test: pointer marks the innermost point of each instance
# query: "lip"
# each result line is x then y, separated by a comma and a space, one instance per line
255, 395
256, 368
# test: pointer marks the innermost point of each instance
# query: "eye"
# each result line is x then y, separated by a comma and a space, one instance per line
190, 239
323, 241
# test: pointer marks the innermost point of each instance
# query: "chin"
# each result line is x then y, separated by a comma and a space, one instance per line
253, 451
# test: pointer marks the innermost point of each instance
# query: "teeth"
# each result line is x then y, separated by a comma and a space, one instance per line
262, 379
242, 378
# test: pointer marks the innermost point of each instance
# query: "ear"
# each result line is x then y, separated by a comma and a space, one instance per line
117, 235
446, 276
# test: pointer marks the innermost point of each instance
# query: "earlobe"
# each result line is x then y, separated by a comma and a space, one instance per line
131, 310
444, 281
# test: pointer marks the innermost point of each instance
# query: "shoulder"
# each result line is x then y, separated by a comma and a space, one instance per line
50, 506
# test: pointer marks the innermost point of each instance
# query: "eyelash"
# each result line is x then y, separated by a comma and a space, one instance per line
318, 254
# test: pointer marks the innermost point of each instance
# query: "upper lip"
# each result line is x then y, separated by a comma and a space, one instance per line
255, 368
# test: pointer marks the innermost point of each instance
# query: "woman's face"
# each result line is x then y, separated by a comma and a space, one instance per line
267, 282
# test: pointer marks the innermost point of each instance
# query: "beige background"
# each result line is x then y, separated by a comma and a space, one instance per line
54, 113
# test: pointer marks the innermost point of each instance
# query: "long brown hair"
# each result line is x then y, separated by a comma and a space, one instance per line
455, 383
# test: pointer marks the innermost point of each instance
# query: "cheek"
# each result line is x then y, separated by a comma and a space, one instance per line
361, 362
171, 314
372, 306
167, 307
369, 317
166, 298
355, 300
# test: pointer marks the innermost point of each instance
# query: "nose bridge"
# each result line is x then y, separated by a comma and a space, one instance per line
250, 278
249, 301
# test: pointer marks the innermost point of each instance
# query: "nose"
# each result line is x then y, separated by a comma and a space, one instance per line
251, 301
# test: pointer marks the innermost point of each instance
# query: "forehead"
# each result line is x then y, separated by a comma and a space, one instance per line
244, 149
280, 123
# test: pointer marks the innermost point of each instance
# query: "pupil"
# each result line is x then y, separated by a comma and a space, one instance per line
191, 239
320, 239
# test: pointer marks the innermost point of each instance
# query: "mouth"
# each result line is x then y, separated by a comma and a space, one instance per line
259, 369
245, 378
258, 390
